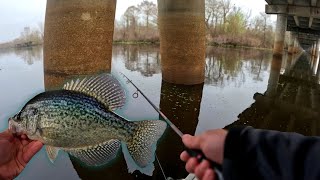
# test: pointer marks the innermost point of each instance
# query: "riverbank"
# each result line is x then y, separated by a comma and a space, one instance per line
136, 42
10, 45
208, 44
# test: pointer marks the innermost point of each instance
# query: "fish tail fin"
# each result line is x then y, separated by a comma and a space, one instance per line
141, 146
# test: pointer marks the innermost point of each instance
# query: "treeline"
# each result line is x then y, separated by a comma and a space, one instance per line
226, 24
34, 34
138, 23
29, 36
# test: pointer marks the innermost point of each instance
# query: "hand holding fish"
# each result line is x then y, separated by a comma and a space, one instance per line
211, 143
15, 153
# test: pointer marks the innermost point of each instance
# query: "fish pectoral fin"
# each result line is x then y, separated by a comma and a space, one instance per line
97, 155
141, 147
52, 152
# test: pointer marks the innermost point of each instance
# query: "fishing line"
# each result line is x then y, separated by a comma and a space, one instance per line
198, 154
164, 175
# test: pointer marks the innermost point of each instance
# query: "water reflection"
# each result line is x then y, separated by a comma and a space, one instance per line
290, 102
224, 67
181, 104
28, 54
232, 77
145, 59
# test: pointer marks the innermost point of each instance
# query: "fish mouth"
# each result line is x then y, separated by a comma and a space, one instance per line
13, 127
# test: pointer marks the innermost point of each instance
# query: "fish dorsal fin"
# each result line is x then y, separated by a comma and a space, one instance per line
97, 155
105, 88
52, 152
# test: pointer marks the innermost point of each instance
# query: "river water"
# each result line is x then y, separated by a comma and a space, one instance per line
232, 78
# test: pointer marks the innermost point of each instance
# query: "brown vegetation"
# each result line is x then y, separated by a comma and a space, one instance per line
226, 25
138, 23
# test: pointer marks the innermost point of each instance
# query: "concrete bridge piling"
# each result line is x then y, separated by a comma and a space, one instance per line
182, 37
280, 35
78, 38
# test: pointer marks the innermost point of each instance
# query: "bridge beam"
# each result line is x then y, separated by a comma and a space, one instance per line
316, 59
280, 35
318, 65
296, 20
291, 43
182, 37
310, 22
292, 10
314, 49
314, 2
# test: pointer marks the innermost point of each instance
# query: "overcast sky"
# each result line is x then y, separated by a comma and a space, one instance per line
16, 14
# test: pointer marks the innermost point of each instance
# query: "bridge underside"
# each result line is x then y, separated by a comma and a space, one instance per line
302, 19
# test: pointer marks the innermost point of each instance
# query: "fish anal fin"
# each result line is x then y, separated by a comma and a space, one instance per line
52, 152
105, 88
97, 155
141, 146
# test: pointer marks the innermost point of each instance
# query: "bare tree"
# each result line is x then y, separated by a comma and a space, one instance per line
41, 29
213, 12
149, 10
226, 8
131, 17
265, 18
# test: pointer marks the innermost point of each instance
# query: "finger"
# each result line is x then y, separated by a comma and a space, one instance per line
192, 142
23, 136
31, 149
7, 135
209, 174
184, 156
191, 165
201, 169
25, 142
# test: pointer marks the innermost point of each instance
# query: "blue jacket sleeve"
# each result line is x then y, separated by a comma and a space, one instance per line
264, 154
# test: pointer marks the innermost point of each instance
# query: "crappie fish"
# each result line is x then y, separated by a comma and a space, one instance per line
80, 120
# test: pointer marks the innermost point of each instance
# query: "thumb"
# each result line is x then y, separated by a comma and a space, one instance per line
192, 142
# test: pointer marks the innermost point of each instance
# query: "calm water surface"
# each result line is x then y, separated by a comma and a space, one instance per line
232, 77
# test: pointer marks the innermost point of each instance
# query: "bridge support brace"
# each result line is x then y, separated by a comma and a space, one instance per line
295, 46
291, 43
316, 59
316, 50
182, 37
318, 70
280, 35
78, 38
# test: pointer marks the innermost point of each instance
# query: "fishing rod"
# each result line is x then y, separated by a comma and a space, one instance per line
198, 154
